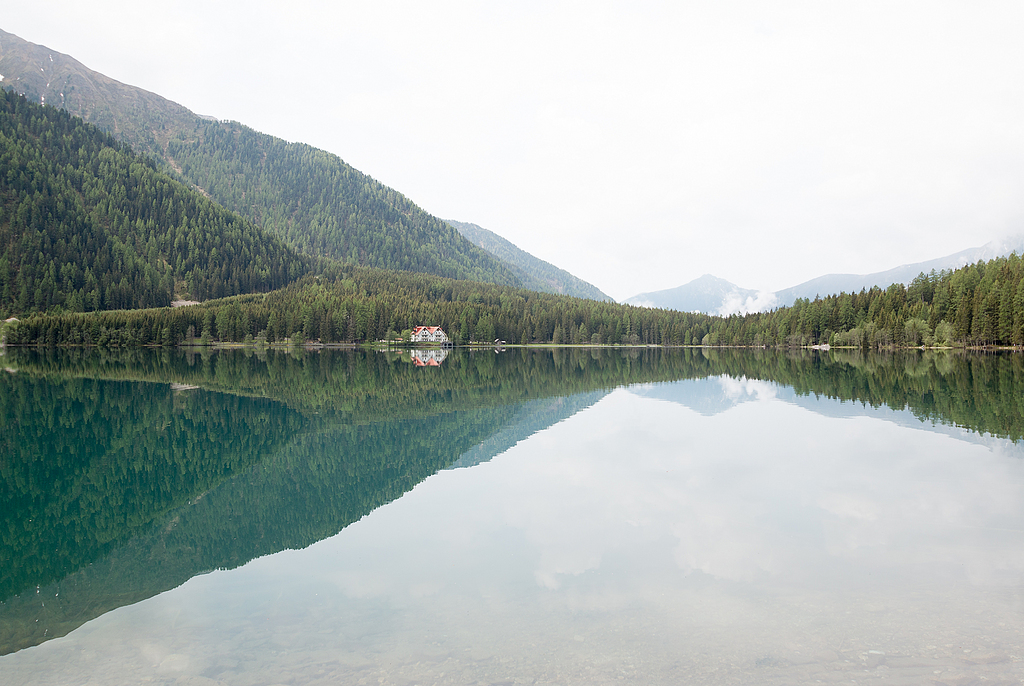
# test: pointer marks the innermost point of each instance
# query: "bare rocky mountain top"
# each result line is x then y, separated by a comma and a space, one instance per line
138, 117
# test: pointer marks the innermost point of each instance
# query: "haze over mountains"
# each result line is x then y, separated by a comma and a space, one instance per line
712, 295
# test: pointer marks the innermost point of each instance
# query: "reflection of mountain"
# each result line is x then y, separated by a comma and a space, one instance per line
88, 465
712, 396
705, 396
309, 490
144, 487
530, 417
113, 490
971, 398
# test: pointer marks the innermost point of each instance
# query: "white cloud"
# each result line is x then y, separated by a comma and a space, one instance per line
736, 303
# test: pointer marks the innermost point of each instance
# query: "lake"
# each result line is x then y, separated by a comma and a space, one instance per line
567, 516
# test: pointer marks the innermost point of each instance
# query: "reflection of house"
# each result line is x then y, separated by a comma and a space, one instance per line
428, 358
429, 334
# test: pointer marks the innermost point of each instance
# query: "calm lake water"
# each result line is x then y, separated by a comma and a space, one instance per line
528, 517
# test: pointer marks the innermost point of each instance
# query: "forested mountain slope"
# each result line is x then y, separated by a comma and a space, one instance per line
86, 224
535, 273
309, 197
135, 116
324, 207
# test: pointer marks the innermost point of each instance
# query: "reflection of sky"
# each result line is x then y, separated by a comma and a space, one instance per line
764, 491
639, 515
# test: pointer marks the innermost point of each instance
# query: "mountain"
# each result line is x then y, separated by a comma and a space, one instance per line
86, 224
713, 295
535, 273
853, 283
142, 119
310, 198
708, 294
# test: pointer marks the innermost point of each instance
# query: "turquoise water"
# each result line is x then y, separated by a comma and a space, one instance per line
516, 518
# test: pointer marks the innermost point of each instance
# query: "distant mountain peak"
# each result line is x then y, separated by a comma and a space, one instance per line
709, 294
713, 295
829, 284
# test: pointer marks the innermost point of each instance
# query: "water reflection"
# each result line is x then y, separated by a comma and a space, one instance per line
719, 528
428, 358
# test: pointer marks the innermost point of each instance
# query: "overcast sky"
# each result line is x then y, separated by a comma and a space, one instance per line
637, 145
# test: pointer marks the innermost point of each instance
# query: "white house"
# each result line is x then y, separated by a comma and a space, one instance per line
429, 334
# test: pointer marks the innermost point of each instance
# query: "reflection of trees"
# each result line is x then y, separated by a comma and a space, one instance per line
983, 393
365, 386
89, 464
138, 486
113, 490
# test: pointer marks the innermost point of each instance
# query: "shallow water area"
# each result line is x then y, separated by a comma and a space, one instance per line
713, 528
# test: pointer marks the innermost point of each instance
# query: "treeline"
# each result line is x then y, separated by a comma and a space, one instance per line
323, 207
358, 385
980, 304
353, 304
85, 224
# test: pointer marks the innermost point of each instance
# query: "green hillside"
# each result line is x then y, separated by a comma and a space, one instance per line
310, 198
534, 273
324, 207
86, 224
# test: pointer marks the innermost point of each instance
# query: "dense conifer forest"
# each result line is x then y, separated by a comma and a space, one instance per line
85, 224
977, 305
324, 207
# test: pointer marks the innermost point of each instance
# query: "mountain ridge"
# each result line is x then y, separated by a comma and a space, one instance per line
713, 295
708, 293
535, 273
829, 284
310, 198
